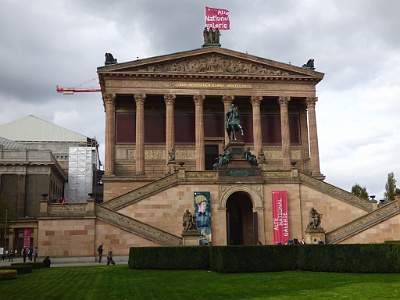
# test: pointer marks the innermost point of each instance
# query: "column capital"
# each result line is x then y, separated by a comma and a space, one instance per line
283, 100
255, 100
169, 98
199, 99
228, 99
140, 98
310, 101
110, 98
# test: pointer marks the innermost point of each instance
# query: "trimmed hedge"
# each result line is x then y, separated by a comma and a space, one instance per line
359, 258
21, 269
169, 258
236, 259
8, 274
34, 265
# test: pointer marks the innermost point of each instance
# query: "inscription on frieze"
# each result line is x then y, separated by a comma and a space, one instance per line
133, 82
240, 172
237, 151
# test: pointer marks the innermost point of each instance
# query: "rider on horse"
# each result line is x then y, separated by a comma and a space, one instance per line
232, 122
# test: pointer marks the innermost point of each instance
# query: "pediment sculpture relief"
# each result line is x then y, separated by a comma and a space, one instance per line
214, 63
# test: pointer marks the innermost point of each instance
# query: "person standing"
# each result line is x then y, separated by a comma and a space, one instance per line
24, 254
35, 254
30, 254
11, 255
100, 251
109, 257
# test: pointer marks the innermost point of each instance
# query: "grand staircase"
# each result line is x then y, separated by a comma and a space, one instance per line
141, 229
142, 192
107, 211
359, 225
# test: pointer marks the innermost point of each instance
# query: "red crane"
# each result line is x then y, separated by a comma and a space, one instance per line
77, 89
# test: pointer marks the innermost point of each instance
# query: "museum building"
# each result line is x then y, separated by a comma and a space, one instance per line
168, 151
165, 130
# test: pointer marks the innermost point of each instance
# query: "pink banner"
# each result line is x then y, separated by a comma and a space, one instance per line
217, 18
27, 238
280, 216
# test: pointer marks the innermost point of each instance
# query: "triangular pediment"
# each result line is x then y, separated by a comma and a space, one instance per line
211, 61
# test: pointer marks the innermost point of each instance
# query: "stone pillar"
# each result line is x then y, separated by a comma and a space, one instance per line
257, 131
140, 99
314, 152
227, 100
199, 123
109, 100
305, 152
169, 127
285, 132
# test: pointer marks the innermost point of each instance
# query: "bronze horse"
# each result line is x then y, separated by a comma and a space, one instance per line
233, 124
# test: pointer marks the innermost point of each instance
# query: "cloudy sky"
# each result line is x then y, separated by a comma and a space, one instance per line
355, 43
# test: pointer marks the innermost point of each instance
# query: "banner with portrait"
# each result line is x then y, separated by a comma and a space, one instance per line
280, 217
202, 210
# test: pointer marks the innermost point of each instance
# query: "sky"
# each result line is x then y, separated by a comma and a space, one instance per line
356, 44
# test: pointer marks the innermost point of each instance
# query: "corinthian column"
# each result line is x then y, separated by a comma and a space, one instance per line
199, 123
257, 131
314, 151
140, 99
169, 126
285, 132
227, 100
109, 100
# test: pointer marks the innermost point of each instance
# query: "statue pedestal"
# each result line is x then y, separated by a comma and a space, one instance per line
236, 148
315, 234
238, 169
191, 238
171, 167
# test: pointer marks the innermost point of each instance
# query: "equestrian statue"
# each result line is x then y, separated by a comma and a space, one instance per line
233, 124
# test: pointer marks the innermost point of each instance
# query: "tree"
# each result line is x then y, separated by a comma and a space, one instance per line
7, 216
390, 187
359, 191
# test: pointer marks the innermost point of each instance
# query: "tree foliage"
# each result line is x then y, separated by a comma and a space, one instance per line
390, 187
359, 191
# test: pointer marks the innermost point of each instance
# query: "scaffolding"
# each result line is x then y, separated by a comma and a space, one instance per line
81, 167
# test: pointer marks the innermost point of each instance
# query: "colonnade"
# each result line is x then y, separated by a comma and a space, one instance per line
110, 101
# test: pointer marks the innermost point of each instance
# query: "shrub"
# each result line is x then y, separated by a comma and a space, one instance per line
169, 258
21, 269
358, 258
8, 274
34, 265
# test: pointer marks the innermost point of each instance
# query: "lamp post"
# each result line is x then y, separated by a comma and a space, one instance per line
5, 233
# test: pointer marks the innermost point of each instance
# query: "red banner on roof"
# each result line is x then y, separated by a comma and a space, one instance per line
217, 18
280, 216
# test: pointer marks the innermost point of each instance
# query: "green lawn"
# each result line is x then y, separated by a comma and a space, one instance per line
120, 282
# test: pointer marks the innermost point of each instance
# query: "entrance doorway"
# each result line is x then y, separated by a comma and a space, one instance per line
239, 220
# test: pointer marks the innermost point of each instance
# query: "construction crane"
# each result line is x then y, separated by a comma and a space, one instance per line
77, 89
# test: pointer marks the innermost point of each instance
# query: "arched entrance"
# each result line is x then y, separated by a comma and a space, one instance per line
240, 220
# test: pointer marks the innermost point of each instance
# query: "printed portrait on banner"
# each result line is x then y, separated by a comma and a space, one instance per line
203, 216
